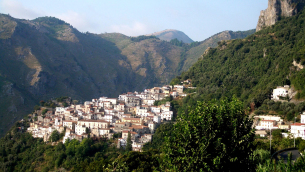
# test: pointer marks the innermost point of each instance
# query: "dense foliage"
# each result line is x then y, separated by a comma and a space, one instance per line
211, 137
141, 38
176, 42
159, 136
285, 110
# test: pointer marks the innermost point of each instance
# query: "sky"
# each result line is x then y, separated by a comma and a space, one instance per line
199, 19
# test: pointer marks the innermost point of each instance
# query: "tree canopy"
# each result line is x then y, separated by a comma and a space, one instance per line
211, 137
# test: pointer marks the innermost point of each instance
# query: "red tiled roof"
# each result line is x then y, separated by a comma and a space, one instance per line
297, 124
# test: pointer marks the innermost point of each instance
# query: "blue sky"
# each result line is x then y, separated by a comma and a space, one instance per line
199, 19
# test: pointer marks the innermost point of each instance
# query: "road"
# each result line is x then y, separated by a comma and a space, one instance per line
283, 154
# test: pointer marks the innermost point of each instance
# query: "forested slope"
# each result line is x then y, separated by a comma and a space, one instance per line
250, 68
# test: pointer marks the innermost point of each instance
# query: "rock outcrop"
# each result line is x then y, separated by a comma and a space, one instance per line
277, 9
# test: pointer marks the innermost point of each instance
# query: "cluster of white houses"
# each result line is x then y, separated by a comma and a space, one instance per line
274, 122
133, 113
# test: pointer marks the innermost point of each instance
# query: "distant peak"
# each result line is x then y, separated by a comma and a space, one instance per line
169, 34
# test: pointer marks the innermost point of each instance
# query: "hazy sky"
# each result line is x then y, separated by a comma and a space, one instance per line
199, 19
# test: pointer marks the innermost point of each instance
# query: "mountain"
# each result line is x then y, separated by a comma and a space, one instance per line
278, 9
169, 34
251, 67
48, 58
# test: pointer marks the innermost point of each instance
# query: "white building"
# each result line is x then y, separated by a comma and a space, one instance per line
270, 117
298, 130
157, 119
267, 124
141, 111
303, 118
155, 109
168, 115
179, 88
280, 92
80, 129
59, 110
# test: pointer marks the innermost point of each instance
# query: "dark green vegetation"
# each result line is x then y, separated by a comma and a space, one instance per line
285, 110
165, 130
192, 55
262, 156
141, 38
47, 57
211, 137
250, 68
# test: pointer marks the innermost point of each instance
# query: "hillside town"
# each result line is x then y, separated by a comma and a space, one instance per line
268, 122
133, 113
137, 114
263, 123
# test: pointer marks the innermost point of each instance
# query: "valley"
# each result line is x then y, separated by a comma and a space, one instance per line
47, 58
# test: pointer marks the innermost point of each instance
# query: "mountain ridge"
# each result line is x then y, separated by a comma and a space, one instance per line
170, 34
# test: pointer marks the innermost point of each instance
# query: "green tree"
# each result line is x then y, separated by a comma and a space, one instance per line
129, 143
54, 136
36, 107
41, 103
65, 104
44, 111
277, 134
214, 136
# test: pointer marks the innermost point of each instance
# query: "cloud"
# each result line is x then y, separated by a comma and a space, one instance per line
135, 29
18, 10
78, 21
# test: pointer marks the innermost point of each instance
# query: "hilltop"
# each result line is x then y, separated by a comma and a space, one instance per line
169, 34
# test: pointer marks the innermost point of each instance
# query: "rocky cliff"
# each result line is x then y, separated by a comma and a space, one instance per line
277, 9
